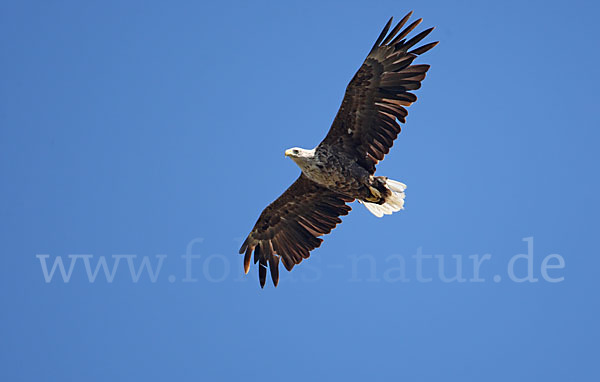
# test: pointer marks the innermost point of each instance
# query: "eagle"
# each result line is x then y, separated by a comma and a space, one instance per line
341, 168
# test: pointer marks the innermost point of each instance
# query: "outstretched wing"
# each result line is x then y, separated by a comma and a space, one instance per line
288, 229
367, 123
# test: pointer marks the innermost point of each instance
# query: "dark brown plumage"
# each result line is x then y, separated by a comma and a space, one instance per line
377, 95
363, 131
288, 229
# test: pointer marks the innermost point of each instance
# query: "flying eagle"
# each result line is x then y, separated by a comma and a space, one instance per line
342, 167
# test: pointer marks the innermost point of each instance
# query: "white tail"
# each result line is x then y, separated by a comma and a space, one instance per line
392, 204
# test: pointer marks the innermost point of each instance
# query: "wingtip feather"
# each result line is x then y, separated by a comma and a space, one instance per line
247, 258
424, 48
382, 34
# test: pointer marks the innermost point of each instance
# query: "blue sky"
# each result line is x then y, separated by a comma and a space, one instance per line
147, 128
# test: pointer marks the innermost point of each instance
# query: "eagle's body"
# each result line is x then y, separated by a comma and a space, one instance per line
333, 169
339, 172
341, 168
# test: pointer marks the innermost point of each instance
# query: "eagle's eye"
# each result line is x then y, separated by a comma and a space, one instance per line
296, 152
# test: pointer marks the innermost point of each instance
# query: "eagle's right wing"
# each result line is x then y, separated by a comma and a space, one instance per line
288, 229
366, 125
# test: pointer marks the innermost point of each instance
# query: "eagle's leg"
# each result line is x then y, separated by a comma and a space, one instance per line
378, 191
375, 195
383, 196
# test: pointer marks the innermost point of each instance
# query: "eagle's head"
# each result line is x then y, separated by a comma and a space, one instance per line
299, 155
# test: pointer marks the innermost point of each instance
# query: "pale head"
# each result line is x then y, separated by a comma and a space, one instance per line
299, 155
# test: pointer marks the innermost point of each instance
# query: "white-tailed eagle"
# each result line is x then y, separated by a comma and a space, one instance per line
342, 167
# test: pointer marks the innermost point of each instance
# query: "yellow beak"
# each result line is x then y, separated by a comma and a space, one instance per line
288, 152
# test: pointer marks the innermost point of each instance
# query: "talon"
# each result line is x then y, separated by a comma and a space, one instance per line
375, 192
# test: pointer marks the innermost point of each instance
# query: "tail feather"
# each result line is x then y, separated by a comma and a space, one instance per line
393, 202
395, 185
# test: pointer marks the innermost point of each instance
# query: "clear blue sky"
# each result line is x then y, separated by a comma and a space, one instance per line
143, 128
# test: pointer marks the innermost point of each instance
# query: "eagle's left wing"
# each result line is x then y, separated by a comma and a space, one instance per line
288, 229
367, 123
